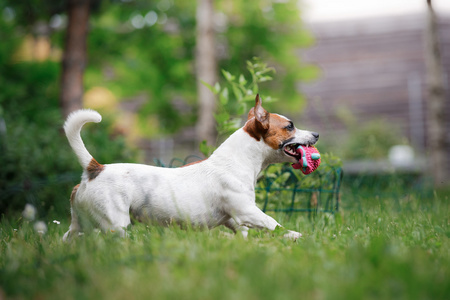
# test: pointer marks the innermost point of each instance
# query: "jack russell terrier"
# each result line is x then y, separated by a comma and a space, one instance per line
217, 191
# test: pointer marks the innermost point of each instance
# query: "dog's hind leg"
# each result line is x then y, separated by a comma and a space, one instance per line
119, 226
74, 228
115, 219
75, 224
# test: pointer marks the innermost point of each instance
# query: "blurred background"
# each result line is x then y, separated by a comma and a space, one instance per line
370, 77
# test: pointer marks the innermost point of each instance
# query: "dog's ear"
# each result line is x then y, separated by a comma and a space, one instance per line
258, 127
261, 115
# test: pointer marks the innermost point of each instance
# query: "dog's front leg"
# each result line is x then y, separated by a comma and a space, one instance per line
253, 217
233, 225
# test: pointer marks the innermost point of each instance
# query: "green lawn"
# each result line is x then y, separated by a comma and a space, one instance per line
385, 249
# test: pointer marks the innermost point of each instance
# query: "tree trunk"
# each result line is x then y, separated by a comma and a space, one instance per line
74, 57
436, 101
206, 66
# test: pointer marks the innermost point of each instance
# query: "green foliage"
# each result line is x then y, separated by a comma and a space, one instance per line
235, 96
365, 140
155, 60
273, 31
371, 140
146, 49
370, 254
37, 164
205, 149
31, 11
133, 56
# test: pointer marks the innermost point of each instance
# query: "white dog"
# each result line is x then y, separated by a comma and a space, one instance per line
217, 191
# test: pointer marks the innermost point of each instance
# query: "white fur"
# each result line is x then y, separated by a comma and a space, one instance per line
72, 128
216, 191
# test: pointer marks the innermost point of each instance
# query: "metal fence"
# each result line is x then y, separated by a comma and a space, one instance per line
286, 190
280, 188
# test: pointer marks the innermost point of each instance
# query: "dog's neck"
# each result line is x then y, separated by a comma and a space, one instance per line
241, 154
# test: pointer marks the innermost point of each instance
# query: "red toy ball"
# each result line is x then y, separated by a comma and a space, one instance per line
309, 160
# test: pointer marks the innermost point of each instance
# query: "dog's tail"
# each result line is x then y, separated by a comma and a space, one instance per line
72, 128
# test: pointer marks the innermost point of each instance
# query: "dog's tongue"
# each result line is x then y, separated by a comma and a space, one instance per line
309, 161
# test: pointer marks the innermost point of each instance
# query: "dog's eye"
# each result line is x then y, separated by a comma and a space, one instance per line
290, 127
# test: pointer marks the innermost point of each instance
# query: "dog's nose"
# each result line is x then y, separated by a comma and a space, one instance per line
315, 134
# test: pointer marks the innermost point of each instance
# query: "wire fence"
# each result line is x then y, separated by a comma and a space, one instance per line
282, 189
288, 191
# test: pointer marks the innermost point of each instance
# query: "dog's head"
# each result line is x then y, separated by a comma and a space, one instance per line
278, 133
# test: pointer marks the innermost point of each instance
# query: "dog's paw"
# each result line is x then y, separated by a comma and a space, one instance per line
292, 235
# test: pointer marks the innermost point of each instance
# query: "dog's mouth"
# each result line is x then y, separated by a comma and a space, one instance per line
291, 150
307, 157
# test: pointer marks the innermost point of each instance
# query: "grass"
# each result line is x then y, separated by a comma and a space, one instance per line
383, 250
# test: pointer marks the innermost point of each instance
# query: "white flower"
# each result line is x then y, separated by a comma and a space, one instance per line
40, 227
56, 222
29, 212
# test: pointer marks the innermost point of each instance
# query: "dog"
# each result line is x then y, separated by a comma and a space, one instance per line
219, 190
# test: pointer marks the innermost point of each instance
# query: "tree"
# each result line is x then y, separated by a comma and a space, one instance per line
436, 101
35, 14
206, 71
75, 56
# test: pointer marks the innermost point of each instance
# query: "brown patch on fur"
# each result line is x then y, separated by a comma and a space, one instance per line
270, 127
251, 113
257, 120
251, 128
94, 169
193, 163
74, 191
275, 135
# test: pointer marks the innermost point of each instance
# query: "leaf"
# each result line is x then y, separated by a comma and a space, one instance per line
237, 93
242, 80
210, 87
264, 78
222, 117
250, 97
228, 75
205, 149
235, 123
242, 109
216, 88
224, 96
